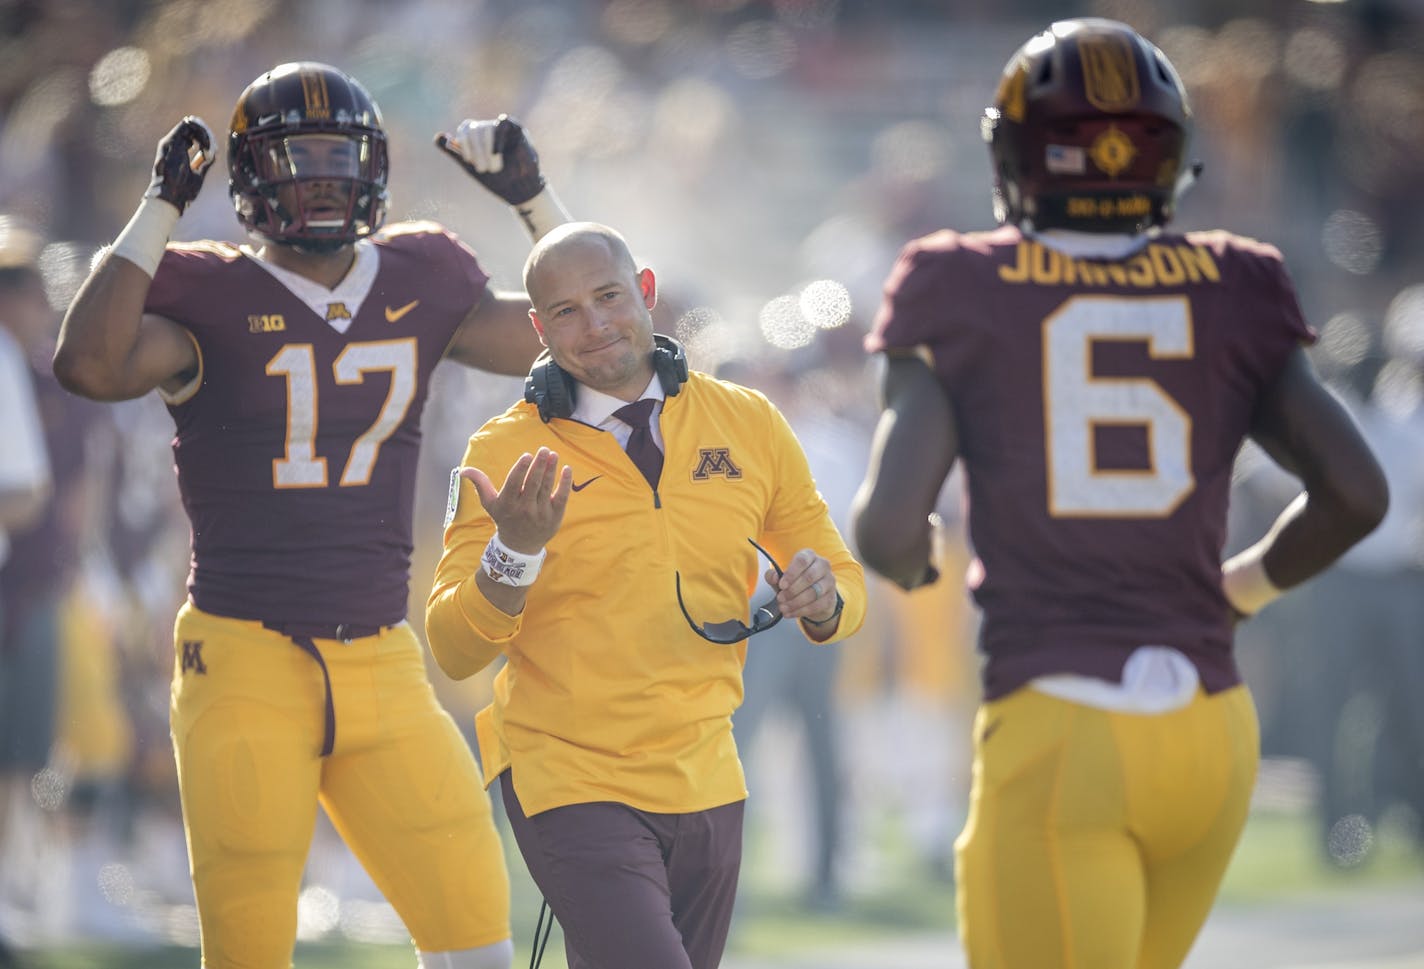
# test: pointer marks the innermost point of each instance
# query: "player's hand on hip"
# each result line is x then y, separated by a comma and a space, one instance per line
529, 509
184, 156
498, 155
807, 589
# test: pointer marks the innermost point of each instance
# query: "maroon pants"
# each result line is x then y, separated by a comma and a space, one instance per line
632, 889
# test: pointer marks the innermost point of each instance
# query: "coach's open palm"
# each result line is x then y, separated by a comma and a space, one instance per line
528, 510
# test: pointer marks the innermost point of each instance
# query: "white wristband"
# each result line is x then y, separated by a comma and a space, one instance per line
508, 567
1245, 583
541, 213
143, 240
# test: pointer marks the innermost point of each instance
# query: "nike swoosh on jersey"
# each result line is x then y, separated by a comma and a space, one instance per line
395, 314
989, 729
580, 485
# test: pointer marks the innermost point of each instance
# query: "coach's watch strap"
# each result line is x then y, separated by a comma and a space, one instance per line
840, 604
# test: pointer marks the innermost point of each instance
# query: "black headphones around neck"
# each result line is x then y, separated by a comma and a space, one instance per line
552, 391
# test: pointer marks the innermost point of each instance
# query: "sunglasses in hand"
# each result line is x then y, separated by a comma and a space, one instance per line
730, 631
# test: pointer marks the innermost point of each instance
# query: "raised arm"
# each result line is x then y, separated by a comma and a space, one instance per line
914, 448
1308, 432
497, 335
499, 156
109, 349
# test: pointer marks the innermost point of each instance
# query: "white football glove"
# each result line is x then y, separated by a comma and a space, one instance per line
474, 140
497, 153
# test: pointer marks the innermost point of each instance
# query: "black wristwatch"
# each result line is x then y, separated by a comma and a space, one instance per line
840, 604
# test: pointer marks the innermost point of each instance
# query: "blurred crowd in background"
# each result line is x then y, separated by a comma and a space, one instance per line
767, 158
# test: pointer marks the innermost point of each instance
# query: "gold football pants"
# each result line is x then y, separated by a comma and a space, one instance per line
1098, 840
248, 718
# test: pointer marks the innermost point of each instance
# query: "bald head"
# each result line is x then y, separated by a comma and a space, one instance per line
568, 238
592, 307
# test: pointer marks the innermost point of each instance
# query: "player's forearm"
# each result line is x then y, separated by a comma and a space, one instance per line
1316, 529
542, 213
896, 546
100, 333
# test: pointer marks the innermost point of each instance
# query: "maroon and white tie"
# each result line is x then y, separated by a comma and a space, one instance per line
641, 447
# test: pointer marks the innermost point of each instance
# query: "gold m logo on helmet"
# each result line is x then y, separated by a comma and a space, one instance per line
715, 460
314, 90
1109, 73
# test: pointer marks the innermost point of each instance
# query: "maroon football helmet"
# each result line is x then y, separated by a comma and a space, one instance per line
314, 128
1088, 131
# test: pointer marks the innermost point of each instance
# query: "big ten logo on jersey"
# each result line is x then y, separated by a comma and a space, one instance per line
715, 460
190, 657
266, 323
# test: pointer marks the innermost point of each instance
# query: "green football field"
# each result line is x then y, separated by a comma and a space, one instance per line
1277, 860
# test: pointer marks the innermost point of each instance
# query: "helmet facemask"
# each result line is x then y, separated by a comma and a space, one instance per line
335, 188
307, 159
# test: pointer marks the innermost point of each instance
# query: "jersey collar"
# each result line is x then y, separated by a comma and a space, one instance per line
1092, 245
351, 292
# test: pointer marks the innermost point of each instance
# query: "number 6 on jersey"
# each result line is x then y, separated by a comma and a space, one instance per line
1076, 403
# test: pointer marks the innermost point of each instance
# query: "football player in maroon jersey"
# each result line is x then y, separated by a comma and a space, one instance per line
296, 369
1096, 375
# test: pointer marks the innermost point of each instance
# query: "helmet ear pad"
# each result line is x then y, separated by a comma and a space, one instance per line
1088, 131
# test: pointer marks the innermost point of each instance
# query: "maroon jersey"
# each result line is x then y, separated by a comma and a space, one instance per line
296, 451
1099, 406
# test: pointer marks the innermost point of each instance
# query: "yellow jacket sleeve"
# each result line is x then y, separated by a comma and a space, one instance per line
465, 630
799, 518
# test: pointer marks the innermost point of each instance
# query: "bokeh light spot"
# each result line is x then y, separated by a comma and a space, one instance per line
1350, 840
1344, 340
1404, 324
1352, 241
783, 325
49, 788
691, 116
705, 336
318, 912
1314, 59
912, 151
825, 304
1399, 388
116, 884
119, 77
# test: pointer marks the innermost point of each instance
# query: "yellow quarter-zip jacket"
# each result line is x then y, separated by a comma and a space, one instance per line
607, 694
